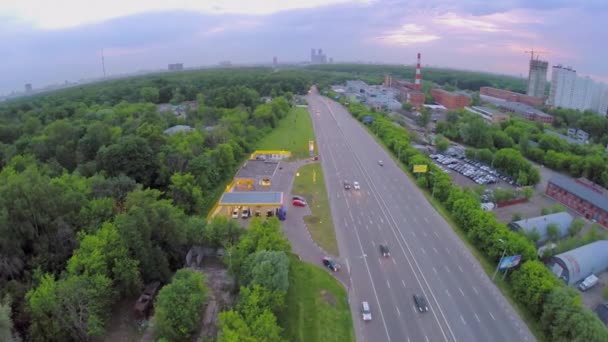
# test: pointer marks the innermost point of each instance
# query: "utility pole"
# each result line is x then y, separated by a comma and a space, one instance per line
501, 257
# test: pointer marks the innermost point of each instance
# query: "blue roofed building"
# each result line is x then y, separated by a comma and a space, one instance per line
579, 263
561, 220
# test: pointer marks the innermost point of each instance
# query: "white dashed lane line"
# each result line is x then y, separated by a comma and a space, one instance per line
492, 316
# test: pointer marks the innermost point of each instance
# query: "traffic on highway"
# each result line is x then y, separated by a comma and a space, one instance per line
412, 278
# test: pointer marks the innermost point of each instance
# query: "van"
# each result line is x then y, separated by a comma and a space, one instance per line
588, 283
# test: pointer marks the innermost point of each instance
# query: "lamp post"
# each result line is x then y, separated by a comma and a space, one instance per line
501, 257
433, 191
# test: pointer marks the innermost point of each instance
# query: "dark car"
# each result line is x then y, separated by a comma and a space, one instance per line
331, 264
346, 185
421, 304
384, 251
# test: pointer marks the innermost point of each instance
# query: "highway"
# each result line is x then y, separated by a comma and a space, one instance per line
427, 257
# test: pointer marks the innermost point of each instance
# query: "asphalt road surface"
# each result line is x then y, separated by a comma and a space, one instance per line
427, 257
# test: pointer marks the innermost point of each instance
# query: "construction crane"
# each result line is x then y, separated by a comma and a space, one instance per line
532, 52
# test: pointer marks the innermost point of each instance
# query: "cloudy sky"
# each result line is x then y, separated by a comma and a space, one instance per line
44, 42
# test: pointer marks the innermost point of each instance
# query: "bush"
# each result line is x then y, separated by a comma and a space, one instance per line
179, 305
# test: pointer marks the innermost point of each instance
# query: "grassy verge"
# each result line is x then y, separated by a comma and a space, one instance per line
292, 134
488, 266
310, 183
316, 306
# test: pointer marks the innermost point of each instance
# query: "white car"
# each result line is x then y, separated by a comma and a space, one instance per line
235, 213
366, 313
356, 186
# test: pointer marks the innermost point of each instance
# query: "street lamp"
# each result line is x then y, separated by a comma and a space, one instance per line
501, 257
433, 191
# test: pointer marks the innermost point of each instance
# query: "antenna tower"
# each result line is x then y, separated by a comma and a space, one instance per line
103, 64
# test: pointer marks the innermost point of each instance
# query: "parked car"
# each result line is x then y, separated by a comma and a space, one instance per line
245, 213
299, 198
298, 203
235, 213
366, 313
331, 264
144, 303
421, 304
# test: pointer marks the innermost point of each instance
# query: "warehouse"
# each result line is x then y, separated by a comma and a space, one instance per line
541, 224
577, 264
586, 198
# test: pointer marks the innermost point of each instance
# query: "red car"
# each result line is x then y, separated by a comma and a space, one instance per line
315, 158
298, 203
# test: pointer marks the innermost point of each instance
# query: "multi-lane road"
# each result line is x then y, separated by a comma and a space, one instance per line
427, 257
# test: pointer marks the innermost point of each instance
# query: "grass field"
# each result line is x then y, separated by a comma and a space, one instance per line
292, 133
310, 183
316, 308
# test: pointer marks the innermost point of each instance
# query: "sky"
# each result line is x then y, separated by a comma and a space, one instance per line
47, 42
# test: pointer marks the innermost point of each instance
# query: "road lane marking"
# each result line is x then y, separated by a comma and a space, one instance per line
414, 233
435, 270
394, 262
370, 221
347, 266
478, 320
435, 249
447, 250
388, 284
461, 292
492, 316
402, 282
448, 269
398, 312
474, 289
448, 292
426, 219
367, 226
460, 268
423, 251
462, 319
434, 232
381, 220
373, 243
426, 338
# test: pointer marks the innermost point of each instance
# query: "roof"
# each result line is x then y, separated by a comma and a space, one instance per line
577, 264
581, 191
541, 223
564, 137
257, 168
252, 198
516, 107
177, 129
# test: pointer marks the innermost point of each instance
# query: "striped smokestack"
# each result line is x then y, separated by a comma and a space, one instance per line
417, 83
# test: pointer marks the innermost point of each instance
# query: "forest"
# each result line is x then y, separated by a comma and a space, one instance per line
96, 200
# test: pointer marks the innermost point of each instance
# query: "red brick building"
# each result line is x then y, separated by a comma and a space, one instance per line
585, 199
512, 96
407, 91
450, 100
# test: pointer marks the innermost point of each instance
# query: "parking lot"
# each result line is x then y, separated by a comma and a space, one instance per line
476, 172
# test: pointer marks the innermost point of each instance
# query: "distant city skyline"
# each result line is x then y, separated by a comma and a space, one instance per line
44, 44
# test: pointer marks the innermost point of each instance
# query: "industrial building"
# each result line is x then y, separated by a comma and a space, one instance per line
377, 97
537, 78
450, 100
561, 220
577, 264
407, 91
176, 67
512, 96
488, 114
521, 109
574, 136
584, 197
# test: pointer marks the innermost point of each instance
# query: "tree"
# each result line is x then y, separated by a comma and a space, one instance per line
441, 143
130, 156
6, 322
269, 269
222, 231
475, 99
516, 217
576, 226
558, 208
533, 235
149, 94
406, 106
185, 193
70, 309
425, 117
179, 305
531, 283
553, 232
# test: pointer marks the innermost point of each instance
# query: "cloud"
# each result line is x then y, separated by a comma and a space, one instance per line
467, 22
58, 14
407, 34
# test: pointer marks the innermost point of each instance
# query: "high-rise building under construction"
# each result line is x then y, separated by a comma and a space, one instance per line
537, 77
